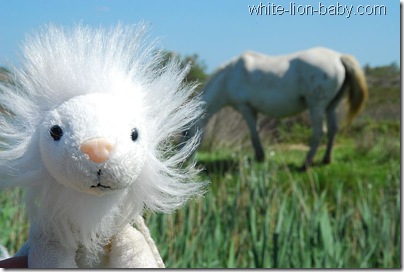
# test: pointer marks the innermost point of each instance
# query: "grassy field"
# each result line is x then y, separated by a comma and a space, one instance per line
344, 215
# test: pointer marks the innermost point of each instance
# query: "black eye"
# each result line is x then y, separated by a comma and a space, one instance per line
56, 132
135, 134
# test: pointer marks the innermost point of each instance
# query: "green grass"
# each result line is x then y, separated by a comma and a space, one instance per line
344, 215
13, 225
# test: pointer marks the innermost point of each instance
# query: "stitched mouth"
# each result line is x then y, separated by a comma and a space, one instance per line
99, 184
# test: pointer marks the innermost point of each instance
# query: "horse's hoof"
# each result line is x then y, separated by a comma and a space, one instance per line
302, 168
306, 165
260, 158
326, 161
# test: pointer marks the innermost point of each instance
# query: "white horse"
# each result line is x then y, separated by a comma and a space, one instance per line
280, 86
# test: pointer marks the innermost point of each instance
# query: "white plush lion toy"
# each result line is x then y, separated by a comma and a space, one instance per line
86, 128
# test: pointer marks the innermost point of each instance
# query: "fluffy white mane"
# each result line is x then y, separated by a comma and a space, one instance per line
62, 64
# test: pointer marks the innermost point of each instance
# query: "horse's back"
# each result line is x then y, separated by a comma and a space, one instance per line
317, 57
262, 82
257, 66
321, 58
283, 85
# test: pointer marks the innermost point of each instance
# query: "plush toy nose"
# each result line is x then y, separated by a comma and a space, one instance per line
97, 149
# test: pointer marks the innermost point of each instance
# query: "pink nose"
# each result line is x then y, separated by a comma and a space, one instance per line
97, 149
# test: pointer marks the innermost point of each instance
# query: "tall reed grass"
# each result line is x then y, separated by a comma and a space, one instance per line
268, 216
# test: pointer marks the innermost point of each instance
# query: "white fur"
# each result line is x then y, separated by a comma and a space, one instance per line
94, 83
278, 86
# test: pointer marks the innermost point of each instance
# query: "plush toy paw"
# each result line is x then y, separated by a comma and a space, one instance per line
129, 249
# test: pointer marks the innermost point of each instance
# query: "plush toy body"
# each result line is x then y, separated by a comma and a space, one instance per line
128, 248
85, 129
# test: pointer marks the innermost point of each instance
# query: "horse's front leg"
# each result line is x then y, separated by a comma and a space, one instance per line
251, 118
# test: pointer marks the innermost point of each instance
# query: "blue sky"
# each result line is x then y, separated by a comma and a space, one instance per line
218, 30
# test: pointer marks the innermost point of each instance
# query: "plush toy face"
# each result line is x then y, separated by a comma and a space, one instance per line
94, 143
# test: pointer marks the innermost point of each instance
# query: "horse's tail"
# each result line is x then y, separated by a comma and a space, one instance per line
358, 90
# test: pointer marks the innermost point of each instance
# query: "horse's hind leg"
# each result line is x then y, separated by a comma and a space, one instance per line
251, 118
316, 116
332, 128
